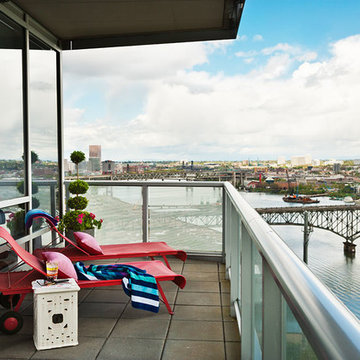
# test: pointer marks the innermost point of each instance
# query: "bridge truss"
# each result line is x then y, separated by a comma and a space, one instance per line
343, 220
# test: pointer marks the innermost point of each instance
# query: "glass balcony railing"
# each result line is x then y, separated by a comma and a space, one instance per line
283, 311
187, 217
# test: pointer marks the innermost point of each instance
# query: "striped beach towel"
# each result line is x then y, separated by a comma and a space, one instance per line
140, 286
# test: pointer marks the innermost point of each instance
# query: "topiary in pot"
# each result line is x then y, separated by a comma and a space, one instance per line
77, 219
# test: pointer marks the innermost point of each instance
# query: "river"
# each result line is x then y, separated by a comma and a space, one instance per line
326, 258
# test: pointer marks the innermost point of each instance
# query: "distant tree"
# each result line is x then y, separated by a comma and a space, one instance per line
34, 157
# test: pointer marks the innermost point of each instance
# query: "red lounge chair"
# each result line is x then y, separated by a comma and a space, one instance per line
15, 285
113, 251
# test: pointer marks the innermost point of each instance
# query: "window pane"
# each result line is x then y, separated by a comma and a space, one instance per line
258, 303
43, 126
121, 209
12, 220
297, 345
187, 218
11, 109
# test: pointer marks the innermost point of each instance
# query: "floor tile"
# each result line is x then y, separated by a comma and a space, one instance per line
200, 276
196, 330
231, 331
233, 350
193, 350
225, 299
226, 314
197, 298
208, 267
201, 286
141, 328
105, 310
82, 294
225, 286
131, 349
95, 327
131, 313
16, 346
169, 286
107, 296
87, 349
188, 312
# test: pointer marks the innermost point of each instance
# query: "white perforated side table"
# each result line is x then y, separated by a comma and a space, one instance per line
55, 314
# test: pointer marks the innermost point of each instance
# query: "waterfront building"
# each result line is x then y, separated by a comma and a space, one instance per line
108, 167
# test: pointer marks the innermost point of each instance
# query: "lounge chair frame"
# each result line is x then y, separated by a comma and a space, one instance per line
19, 283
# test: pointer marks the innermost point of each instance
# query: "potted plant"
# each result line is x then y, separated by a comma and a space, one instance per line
78, 219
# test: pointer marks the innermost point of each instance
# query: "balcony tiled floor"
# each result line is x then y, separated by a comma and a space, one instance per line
109, 328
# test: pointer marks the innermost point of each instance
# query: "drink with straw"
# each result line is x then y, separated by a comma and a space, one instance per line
52, 269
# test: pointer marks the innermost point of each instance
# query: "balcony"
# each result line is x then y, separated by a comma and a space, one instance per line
109, 328
241, 280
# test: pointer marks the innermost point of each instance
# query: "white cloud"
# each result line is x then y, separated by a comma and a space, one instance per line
291, 105
258, 37
242, 37
250, 53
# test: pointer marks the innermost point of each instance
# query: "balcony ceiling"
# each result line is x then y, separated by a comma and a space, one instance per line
80, 24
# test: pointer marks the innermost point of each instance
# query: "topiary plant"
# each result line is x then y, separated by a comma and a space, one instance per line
78, 202
78, 187
77, 157
77, 219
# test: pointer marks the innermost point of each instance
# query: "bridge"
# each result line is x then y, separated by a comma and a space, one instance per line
343, 220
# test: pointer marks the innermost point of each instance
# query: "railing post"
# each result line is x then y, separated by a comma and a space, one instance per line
223, 224
247, 316
145, 212
227, 235
53, 208
234, 260
272, 317
67, 195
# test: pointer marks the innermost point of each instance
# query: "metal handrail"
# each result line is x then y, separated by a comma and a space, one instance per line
331, 329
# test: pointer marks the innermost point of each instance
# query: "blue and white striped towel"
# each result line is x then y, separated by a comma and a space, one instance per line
140, 286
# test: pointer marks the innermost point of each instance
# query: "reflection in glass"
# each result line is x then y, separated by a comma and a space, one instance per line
121, 209
12, 220
11, 105
43, 125
257, 298
187, 218
297, 346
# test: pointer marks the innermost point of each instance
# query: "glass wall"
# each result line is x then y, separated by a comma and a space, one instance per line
121, 209
11, 109
28, 111
257, 289
187, 218
297, 345
43, 125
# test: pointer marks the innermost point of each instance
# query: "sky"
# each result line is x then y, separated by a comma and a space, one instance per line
288, 85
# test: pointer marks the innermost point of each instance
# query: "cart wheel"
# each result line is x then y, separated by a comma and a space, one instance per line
5, 300
11, 322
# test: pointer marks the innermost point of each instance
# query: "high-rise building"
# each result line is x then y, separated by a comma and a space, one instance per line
95, 158
95, 151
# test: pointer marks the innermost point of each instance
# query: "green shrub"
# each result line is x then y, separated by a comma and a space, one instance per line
78, 202
20, 187
78, 187
77, 157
